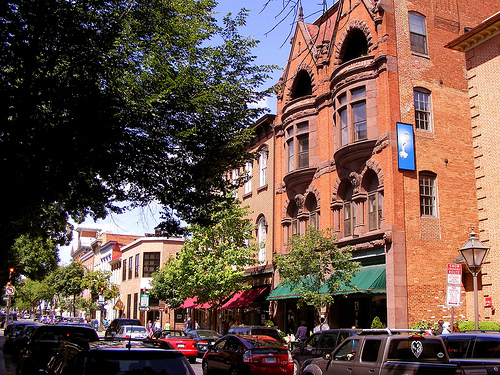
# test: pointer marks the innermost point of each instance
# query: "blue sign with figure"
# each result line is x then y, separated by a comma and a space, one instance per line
406, 146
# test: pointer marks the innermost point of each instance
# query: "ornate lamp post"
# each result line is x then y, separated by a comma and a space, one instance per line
474, 253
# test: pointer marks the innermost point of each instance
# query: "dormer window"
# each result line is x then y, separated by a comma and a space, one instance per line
302, 85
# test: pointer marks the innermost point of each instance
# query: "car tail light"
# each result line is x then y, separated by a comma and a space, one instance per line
247, 357
127, 336
203, 342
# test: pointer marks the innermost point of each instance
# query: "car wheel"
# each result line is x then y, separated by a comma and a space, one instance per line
204, 366
296, 367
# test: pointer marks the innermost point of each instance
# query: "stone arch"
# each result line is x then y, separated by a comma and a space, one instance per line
301, 68
356, 24
312, 189
345, 174
375, 167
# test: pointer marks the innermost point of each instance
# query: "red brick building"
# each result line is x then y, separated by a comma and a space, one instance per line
372, 138
481, 46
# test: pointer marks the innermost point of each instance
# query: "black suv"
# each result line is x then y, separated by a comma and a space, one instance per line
318, 344
116, 324
44, 342
118, 357
474, 351
256, 330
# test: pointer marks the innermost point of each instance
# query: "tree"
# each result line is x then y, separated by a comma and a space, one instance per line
34, 258
67, 281
212, 263
313, 262
31, 293
117, 100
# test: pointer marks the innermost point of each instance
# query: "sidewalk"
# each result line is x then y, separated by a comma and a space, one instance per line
6, 365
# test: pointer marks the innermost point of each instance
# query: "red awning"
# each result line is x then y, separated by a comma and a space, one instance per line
244, 298
191, 303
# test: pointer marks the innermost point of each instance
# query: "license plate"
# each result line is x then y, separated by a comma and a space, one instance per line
181, 345
270, 360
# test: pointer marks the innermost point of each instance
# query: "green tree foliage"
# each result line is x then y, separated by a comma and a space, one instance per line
31, 293
116, 100
98, 282
67, 281
377, 323
212, 263
313, 262
34, 258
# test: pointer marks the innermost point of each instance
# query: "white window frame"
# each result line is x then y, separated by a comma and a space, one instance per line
263, 168
248, 178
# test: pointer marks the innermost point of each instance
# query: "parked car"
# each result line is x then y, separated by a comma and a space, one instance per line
385, 352
256, 330
244, 354
132, 332
22, 338
115, 325
43, 344
203, 338
117, 357
319, 344
11, 333
179, 340
474, 352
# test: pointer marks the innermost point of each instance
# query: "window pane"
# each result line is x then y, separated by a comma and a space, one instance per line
418, 34
417, 24
344, 134
303, 127
358, 93
263, 169
359, 121
343, 99
427, 196
422, 110
347, 219
151, 262
372, 212
290, 155
303, 151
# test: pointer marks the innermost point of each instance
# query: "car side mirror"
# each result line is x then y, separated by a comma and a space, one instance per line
327, 356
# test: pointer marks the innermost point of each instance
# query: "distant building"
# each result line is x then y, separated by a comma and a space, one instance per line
481, 46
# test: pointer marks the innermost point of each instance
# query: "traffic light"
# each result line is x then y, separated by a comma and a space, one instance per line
102, 289
9, 283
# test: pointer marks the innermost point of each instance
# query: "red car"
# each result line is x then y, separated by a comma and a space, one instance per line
180, 341
245, 354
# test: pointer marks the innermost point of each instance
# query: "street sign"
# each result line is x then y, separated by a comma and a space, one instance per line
454, 284
10, 290
144, 301
454, 274
144, 308
161, 309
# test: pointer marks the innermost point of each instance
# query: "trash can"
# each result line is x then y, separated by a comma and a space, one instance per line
95, 324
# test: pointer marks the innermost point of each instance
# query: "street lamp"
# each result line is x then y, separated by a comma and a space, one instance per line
474, 253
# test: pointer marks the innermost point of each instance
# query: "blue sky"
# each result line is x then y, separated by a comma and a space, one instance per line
263, 24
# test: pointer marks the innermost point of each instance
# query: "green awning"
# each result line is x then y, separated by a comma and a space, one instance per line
282, 292
369, 279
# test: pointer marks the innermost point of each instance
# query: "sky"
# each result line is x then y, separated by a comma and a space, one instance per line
267, 24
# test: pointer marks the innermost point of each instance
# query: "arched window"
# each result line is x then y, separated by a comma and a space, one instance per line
356, 45
348, 208
312, 208
261, 238
293, 212
302, 85
375, 200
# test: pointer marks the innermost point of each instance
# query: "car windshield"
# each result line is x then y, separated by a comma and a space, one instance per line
208, 334
127, 363
263, 342
136, 329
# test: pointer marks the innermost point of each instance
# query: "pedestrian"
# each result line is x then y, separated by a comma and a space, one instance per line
166, 326
301, 334
439, 330
446, 328
196, 325
429, 331
455, 328
157, 325
149, 327
188, 325
322, 325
